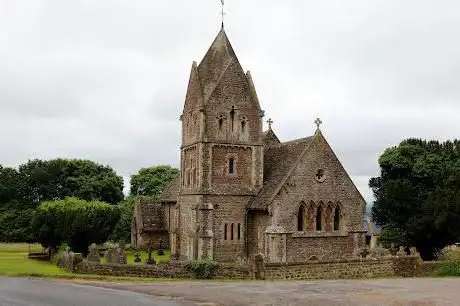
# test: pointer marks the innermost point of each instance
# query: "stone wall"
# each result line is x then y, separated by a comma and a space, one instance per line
170, 270
407, 266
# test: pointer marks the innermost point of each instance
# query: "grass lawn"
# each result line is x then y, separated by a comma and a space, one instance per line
14, 262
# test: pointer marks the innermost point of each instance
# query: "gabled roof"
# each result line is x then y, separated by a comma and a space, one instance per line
219, 56
149, 215
171, 192
269, 138
279, 161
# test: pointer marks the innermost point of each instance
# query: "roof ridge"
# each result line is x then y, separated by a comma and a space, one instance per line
294, 165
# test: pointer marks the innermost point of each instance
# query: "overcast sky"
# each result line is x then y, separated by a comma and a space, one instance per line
105, 80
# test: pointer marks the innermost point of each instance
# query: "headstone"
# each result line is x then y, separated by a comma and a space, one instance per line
63, 259
116, 256
413, 251
137, 257
150, 260
93, 254
401, 251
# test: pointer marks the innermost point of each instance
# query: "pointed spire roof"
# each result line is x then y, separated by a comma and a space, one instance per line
216, 61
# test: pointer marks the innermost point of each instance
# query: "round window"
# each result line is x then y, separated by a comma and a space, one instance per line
320, 175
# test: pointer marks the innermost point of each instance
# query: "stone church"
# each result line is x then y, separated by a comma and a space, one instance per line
242, 191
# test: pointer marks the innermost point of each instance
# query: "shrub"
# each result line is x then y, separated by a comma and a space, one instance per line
451, 262
202, 268
76, 222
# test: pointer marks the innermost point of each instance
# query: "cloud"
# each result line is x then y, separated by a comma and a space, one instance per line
106, 80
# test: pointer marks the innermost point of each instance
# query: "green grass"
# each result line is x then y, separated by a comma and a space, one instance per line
14, 262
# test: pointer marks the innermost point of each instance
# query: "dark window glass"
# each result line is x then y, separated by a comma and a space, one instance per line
300, 219
231, 231
239, 231
225, 231
231, 165
319, 217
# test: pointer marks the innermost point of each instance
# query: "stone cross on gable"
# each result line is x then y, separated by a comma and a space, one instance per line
318, 122
269, 121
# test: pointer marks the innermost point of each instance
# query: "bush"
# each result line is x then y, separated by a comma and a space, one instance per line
451, 258
203, 269
76, 222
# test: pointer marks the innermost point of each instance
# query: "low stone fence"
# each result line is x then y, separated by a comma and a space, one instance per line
169, 270
406, 266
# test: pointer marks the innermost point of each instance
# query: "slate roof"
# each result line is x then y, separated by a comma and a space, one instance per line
219, 56
150, 216
279, 160
171, 192
269, 138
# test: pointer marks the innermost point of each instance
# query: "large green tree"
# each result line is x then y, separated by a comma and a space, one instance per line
152, 181
61, 178
75, 222
418, 194
10, 188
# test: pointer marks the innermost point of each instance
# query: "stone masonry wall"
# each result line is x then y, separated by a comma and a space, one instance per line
407, 266
170, 270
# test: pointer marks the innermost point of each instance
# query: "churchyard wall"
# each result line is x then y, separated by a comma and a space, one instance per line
406, 266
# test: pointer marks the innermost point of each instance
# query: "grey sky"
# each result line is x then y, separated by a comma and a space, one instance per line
106, 80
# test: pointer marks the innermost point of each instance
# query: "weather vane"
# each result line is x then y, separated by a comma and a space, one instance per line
222, 12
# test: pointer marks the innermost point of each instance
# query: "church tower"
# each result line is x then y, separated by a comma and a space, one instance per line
221, 156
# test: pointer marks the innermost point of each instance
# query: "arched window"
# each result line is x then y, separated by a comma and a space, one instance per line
231, 165
239, 231
337, 218
319, 219
301, 219
231, 231
225, 231
243, 126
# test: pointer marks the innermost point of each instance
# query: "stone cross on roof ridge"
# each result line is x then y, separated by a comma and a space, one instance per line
270, 121
318, 122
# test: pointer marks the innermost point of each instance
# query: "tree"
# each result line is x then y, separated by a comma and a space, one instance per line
152, 181
10, 188
58, 179
75, 222
418, 194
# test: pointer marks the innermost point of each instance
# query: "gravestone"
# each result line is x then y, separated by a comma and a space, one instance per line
93, 254
401, 251
116, 256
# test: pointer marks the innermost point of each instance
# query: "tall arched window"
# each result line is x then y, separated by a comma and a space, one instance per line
319, 219
301, 219
337, 218
225, 231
